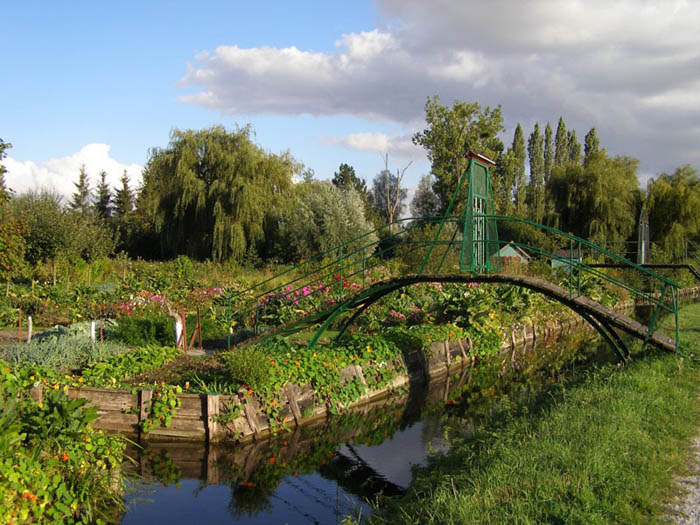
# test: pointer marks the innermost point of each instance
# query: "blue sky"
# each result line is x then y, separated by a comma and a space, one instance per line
337, 81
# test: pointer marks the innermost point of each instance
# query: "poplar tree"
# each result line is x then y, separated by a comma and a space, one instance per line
561, 144
591, 145
574, 147
548, 153
80, 201
103, 198
518, 159
535, 194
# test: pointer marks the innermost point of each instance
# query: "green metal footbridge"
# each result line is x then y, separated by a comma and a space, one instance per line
459, 247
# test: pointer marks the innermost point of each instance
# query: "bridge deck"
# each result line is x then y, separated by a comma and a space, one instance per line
580, 304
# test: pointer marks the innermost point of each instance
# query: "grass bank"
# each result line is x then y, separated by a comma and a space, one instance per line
601, 447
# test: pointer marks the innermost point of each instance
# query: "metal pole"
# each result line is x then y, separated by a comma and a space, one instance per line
363, 267
578, 275
571, 268
340, 271
228, 323
675, 313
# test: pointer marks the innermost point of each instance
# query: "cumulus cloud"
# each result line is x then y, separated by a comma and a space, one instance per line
376, 142
60, 174
631, 68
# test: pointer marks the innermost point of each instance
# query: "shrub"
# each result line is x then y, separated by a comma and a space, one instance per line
248, 366
144, 331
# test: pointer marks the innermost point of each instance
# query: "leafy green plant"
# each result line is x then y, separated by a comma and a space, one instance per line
155, 329
163, 405
63, 348
115, 371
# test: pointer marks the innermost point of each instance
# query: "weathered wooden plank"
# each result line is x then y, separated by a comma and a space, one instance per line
211, 415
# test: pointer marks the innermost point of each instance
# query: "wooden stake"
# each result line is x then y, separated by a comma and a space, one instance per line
199, 328
184, 332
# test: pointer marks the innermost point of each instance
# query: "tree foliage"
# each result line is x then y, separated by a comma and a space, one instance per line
209, 192
388, 197
48, 230
81, 200
4, 146
535, 188
517, 160
124, 197
425, 203
318, 217
103, 198
345, 178
598, 201
673, 201
450, 133
561, 144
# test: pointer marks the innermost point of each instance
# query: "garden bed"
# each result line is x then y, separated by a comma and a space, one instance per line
213, 417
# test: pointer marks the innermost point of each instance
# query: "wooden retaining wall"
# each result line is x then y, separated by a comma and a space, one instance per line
199, 416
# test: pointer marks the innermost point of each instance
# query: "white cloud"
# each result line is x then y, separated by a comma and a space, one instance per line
375, 142
631, 68
60, 174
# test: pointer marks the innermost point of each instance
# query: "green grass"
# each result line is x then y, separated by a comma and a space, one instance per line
602, 447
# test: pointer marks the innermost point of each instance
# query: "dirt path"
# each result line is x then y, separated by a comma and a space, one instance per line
685, 509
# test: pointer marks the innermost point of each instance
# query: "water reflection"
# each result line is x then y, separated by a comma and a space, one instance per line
320, 474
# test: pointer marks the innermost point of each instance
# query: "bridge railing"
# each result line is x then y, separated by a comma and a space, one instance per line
304, 293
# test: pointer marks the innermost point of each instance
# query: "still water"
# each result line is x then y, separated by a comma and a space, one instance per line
322, 473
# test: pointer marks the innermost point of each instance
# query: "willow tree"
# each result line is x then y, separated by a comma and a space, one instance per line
598, 201
673, 201
210, 191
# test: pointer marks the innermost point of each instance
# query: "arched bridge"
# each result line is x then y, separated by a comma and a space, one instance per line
462, 248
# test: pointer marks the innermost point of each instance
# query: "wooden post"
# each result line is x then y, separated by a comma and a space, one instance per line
29, 329
289, 390
199, 328
212, 413
145, 397
184, 332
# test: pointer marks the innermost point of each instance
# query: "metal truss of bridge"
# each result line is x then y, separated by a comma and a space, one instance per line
463, 246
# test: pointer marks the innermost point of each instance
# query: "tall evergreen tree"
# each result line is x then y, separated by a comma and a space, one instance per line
81, 198
124, 198
561, 144
591, 145
574, 147
535, 194
103, 199
520, 183
345, 178
548, 153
